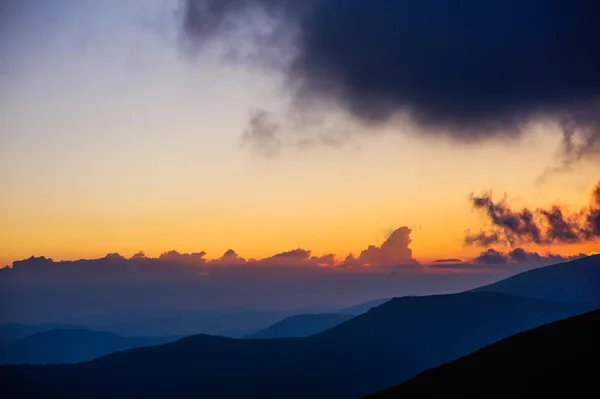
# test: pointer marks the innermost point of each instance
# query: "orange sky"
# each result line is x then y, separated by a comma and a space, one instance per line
141, 150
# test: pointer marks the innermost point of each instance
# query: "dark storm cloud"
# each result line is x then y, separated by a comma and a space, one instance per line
555, 225
472, 69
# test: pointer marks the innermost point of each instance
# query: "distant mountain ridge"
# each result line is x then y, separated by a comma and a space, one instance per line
556, 359
232, 322
363, 307
302, 325
576, 281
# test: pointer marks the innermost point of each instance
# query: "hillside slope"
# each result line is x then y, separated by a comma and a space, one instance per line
557, 359
576, 281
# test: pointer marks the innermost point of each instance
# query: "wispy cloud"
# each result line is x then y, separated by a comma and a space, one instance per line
554, 225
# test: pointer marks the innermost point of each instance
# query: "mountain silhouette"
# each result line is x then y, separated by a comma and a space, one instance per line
378, 349
302, 325
70, 345
577, 281
556, 359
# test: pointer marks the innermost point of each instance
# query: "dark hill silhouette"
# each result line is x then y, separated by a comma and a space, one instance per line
70, 346
577, 281
302, 325
370, 352
559, 359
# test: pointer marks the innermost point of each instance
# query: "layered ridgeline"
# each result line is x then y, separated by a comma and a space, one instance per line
305, 325
302, 325
380, 348
159, 323
576, 281
557, 359
70, 346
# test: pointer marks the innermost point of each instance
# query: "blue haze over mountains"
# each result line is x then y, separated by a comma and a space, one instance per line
385, 346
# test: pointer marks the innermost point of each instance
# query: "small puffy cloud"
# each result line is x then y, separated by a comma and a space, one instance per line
491, 257
230, 257
328, 260
394, 252
295, 257
176, 257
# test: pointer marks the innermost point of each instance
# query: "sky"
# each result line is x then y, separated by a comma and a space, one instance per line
153, 126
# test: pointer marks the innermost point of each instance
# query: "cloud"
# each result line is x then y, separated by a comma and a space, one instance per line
555, 225
262, 133
113, 268
230, 257
42, 290
580, 143
394, 251
295, 257
451, 260
516, 259
176, 257
492, 257
474, 71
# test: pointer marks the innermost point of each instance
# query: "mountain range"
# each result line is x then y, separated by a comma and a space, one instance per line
370, 352
382, 347
577, 281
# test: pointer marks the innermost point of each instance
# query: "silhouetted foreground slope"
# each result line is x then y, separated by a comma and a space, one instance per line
380, 348
302, 325
559, 359
70, 345
576, 281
